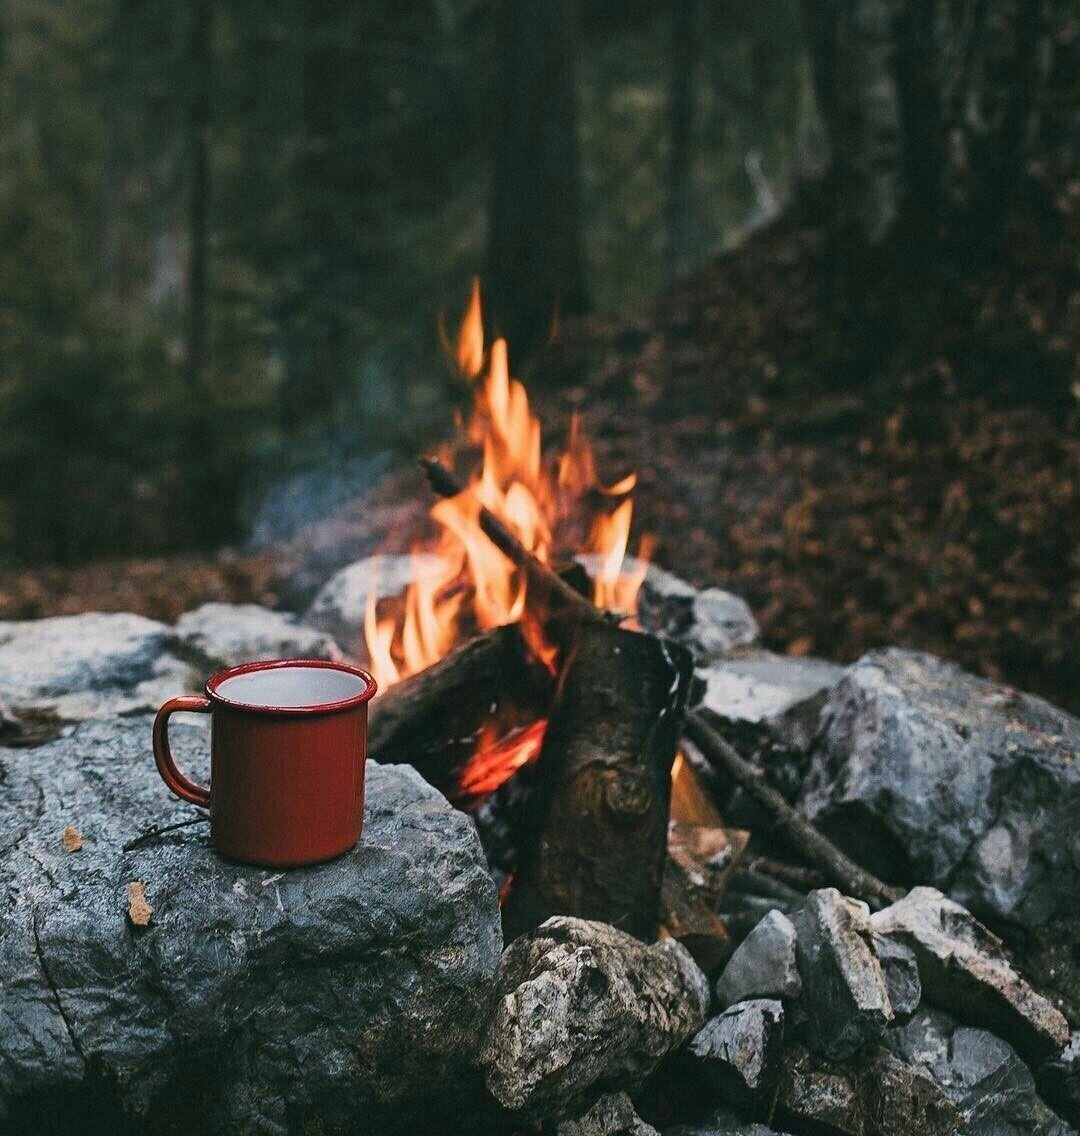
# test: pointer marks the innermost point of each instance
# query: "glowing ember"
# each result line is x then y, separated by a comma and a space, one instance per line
498, 759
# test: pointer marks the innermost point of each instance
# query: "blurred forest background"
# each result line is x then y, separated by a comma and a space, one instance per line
228, 230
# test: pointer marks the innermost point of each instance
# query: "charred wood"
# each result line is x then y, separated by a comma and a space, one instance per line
434, 719
596, 836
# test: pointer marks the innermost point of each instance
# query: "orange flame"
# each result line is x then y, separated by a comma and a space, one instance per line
472, 577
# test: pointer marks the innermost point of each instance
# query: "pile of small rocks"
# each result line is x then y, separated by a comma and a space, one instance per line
374, 994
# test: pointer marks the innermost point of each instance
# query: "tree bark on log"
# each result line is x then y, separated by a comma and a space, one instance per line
433, 719
596, 834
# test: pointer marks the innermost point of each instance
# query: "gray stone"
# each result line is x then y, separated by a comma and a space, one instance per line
710, 622
723, 1123
964, 968
844, 996
340, 604
79, 666
612, 1115
763, 965
816, 1098
1059, 1080
219, 635
582, 1003
924, 772
759, 688
737, 1055
901, 971
346, 997
980, 1073
874, 1094
767, 705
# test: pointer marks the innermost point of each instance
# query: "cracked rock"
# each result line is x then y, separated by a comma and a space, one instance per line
763, 965
844, 996
964, 969
924, 772
737, 1054
980, 1073
611, 1115
582, 1003
875, 1094
350, 996
901, 971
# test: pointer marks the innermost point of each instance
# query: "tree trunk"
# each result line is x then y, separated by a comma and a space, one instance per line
682, 106
536, 267
200, 76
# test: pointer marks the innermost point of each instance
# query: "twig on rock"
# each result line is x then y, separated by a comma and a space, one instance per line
155, 831
543, 582
803, 837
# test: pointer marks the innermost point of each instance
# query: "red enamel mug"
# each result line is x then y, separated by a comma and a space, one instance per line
288, 742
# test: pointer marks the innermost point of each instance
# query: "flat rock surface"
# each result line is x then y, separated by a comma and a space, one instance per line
344, 997
76, 666
926, 773
964, 968
582, 1003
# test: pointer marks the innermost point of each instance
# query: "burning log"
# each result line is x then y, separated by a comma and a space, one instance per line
596, 835
434, 719
795, 829
546, 590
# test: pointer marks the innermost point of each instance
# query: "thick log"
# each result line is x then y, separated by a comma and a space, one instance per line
596, 834
434, 719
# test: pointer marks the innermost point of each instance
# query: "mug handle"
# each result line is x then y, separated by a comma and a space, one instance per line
172, 776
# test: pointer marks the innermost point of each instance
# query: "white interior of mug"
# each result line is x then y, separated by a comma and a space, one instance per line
291, 687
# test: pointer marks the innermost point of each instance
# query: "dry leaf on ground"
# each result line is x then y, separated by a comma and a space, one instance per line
72, 839
139, 911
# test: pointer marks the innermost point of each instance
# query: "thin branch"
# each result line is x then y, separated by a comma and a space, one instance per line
542, 581
155, 831
796, 829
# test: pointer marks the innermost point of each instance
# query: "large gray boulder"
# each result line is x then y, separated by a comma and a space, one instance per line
346, 997
980, 1073
77, 666
929, 774
582, 1004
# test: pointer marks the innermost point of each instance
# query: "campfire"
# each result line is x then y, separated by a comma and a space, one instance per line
504, 653
517, 677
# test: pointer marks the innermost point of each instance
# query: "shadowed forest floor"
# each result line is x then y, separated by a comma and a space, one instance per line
936, 507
